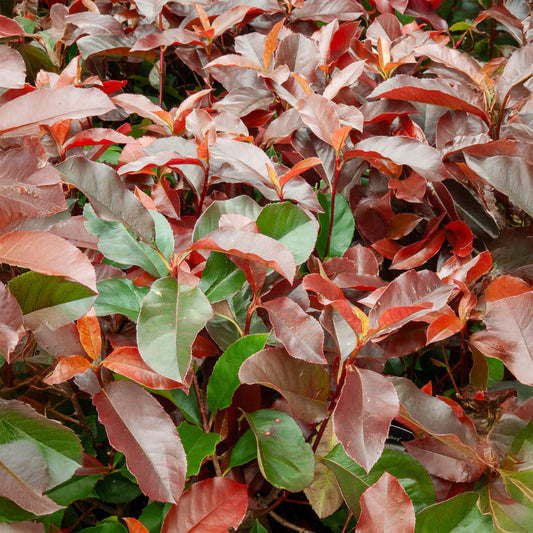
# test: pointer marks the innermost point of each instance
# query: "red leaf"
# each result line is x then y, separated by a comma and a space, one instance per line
401, 225
127, 362
466, 270
252, 246
209, 506
325, 289
48, 254
271, 43
11, 323
300, 333
138, 426
97, 136
319, 115
509, 335
422, 158
417, 254
443, 327
460, 236
363, 414
422, 412
24, 473
339, 138
445, 462
432, 91
166, 38
25, 114
504, 287
134, 526
409, 296
67, 368
90, 336
28, 189
386, 507
304, 385
10, 27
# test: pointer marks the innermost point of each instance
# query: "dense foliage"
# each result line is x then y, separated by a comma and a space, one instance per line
245, 246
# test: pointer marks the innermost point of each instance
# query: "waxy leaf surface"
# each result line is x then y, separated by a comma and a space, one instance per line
284, 458
171, 316
304, 385
138, 426
385, 506
210, 506
363, 414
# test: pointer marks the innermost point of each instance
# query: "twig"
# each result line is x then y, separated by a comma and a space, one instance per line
283, 522
201, 404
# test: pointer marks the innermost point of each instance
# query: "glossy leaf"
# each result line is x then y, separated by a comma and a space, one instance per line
318, 114
171, 316
119, 295
23, 115
118, 244
290, 225
300, 333
385, 506
66, 368
220, 278
362, 416
508, 335
58, 445
90, 335
47, 254
134, 526
28, 189
211, 506
284, 458
409, 296
253, 247
304, 385
24, 477
147, 437
244, 451
343, 226
197, 445
459, 513
421, 157
109, 197
126, 361
11, 324
225, 377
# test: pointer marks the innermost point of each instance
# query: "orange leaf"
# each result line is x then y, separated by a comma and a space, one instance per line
383, 53
443, 327
204, 19
134, 526
339, 137
90, 337
304, 84
66, 368
300, 167
271, 43
273, 178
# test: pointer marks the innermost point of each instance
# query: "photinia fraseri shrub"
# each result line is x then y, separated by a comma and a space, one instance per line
265, 266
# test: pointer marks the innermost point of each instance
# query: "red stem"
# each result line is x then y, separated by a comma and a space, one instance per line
333, 193
161, 64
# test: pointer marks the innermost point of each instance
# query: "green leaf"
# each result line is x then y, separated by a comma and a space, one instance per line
119, 244
186, 403
343, 226
109, 195
221, 278
197, 445
225, 377
353, 480
11, 512
54, 297
171, 316
115, 488
409, 472
76, 488
496, 371
208, 221
105, 527
258, 528
59, 445
153, 515
119, 295
459, 514
290, 225
284, 458
245, 450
